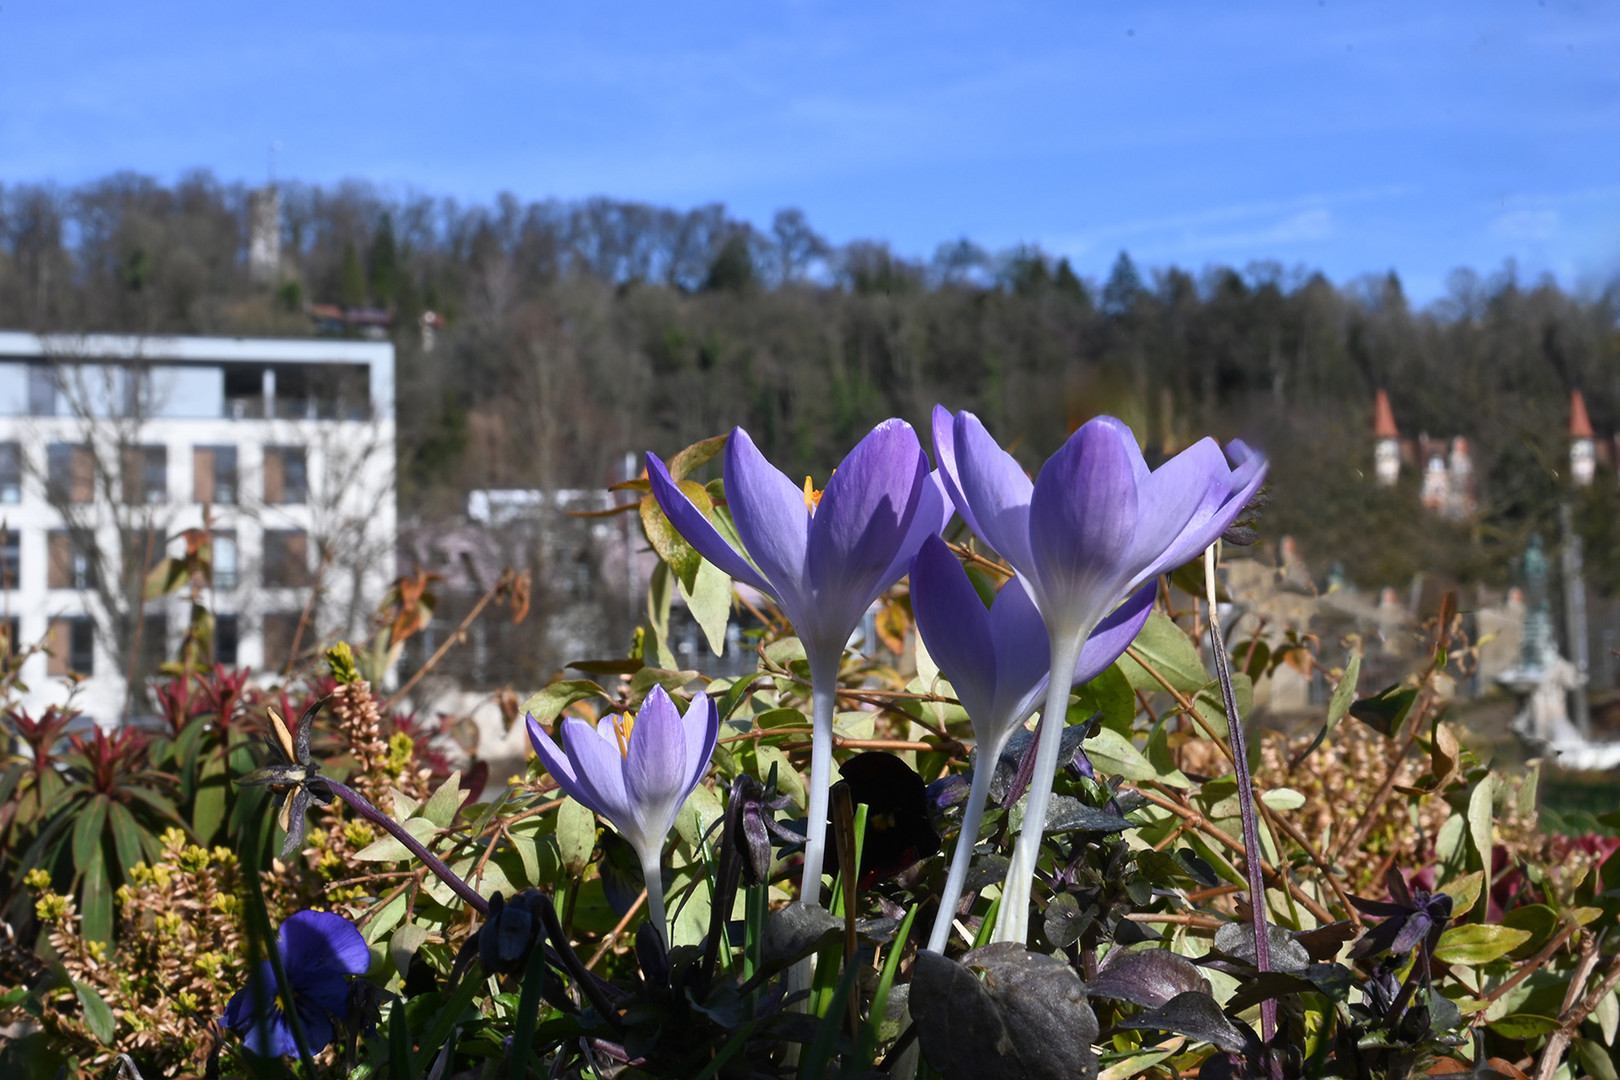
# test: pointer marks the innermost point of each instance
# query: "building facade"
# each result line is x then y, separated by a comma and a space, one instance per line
112, 447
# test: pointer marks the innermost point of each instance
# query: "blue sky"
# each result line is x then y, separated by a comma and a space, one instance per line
1350, 137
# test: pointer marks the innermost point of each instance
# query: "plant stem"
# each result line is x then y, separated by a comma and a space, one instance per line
823, 697
984, 771
363, 807
1253, 858
652, 871
1013, 922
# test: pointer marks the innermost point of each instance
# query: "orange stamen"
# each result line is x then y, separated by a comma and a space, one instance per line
622, 726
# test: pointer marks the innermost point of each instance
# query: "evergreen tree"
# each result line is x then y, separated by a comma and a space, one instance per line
384, 263
352, 280
1124, 287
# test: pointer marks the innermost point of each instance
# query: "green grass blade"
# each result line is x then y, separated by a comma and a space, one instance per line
880, 994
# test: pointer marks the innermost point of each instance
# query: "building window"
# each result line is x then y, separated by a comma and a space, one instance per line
10, 559
41, 390
10, 472
279, 631
144, 548
152, 647
214, 475
286, 476
225, 637
70, 473
72, 565
226, 564
73, 646
146, 475
286, 558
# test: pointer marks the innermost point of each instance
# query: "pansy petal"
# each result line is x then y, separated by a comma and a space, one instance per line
698, 530
702, 726
317, 1024
771, 517
1082, 521
323, 945
655, 770
1114, 634
598, 768
861, 525
996, 492
955, 627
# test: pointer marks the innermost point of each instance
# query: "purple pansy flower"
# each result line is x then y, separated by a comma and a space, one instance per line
1092, 526
997, 663
824, 561
635, 772
320, 952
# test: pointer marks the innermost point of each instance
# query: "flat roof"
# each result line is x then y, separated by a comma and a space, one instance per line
22, 345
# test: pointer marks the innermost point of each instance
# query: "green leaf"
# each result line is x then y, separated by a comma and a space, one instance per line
642, 682
1211, 705
788, 780
1113, 753
1464, 891
1385, 712
1110, 694
403, 945
682, 558
1474, 943
1168, 649
164, 578
1521, 1026
1283, 799
1344, 694
701, 810
576, 836
87, 831
388, 849
126, 836
1480, 817
694, 457
209, 800
97, 1016
442, 805
1539, 920
549, 703
709, 601
97, 912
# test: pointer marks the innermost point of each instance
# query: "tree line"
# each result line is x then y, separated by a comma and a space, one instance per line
576, 332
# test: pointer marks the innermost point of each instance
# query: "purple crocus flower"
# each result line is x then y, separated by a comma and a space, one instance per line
824, 561
636, 772
320, 952
1092, 526
996, 661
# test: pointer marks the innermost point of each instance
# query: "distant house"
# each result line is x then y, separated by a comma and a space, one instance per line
111, 447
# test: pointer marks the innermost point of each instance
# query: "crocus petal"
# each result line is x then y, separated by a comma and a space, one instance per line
1114, 634
702, 725
934, 512
995, 493
598, 768
862, 521
772, 520
1228, 494
698, 530
1082, 521
655, 770
1023, 654
955, 627
944, 437
1178, 501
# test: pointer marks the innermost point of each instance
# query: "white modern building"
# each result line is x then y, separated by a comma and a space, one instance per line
112, 447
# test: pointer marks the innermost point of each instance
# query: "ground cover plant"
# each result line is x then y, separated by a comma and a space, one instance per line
1052, 845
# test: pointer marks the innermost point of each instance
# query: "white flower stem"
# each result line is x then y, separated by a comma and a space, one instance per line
1013, 922
823, 697
984, 771
652, 871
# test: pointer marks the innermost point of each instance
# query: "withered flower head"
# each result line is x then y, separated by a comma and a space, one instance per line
292, 776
